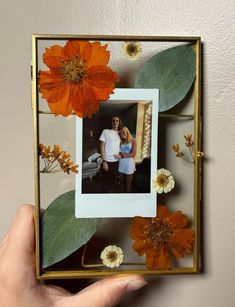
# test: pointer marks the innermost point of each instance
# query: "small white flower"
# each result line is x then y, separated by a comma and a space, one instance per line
112, 256
132, 50
163, 182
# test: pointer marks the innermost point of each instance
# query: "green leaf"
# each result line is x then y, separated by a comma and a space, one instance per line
172, 71
62, 232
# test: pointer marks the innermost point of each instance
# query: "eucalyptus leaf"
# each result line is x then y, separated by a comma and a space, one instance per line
172, 71
62, 232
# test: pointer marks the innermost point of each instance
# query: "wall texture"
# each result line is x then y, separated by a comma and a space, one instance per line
214, 22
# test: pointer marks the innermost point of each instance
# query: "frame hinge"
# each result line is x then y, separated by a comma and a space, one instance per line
31, 71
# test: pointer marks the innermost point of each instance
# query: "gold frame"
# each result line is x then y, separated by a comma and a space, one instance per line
49, 274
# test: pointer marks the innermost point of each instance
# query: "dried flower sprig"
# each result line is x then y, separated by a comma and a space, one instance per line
56, 160
189, 143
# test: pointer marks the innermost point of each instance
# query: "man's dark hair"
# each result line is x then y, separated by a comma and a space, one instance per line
120, 121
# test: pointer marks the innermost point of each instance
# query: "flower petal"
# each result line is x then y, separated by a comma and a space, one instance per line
52, 86
103, 94
99, 55
140, 246
138, 224
101, 76
162, 212
162, 260
151, 256
62, 106
177, 220
181, 242
73, 48
53, 56
83, 100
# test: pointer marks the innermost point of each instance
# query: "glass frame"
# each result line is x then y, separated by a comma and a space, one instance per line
197, 116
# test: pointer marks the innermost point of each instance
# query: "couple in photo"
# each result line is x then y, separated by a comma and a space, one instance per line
118, 150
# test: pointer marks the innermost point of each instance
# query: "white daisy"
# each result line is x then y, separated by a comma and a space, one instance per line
132, 50
112, 256
163, 182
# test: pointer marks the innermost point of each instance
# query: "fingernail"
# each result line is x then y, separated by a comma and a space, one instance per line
135, 285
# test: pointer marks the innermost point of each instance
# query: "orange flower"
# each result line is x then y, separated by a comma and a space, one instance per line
161, 236
78, 79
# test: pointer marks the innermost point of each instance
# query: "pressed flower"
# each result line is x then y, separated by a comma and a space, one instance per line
176, 149
112, 256
163, 182
56, 160
160, 237
78, 78
132, 50
189, 140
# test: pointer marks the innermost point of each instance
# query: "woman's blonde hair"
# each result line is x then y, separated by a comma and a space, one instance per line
129, 137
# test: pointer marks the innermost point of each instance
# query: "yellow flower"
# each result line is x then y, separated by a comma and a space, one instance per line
132, 50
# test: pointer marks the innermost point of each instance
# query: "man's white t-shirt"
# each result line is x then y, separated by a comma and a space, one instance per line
112, 142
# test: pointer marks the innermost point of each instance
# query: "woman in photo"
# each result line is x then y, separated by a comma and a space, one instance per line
126, 156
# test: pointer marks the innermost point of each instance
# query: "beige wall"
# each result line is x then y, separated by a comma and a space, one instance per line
214, 22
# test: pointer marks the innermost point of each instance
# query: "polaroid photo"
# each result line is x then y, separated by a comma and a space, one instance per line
116, 151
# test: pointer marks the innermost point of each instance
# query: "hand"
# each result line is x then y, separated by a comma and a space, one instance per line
19, 287
105, 166
117, 156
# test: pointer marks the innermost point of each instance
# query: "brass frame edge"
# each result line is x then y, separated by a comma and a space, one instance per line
47, 274
197, 141
36, 162
99, 273
119, 37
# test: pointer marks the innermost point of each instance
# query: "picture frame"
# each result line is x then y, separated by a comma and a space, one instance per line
97, 269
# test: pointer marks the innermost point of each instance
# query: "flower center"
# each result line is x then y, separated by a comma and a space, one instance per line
73, 69
112, 256
132, 49
159, 233
162, 180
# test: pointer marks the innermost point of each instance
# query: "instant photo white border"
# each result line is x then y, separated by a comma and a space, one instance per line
127, 204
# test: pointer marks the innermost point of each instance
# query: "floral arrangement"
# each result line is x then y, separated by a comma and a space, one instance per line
76, 81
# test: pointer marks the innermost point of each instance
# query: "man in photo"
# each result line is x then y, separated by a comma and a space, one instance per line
109, 146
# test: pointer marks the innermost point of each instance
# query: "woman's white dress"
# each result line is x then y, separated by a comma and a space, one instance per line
126, 165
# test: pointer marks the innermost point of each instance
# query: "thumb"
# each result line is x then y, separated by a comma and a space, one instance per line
19, 249
107, 292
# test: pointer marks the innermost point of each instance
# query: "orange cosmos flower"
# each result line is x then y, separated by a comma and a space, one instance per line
78, 79
158, 237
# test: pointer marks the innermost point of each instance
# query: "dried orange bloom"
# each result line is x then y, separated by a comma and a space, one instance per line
160, 237
189, 140
78, 78
176, 149
56, 160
